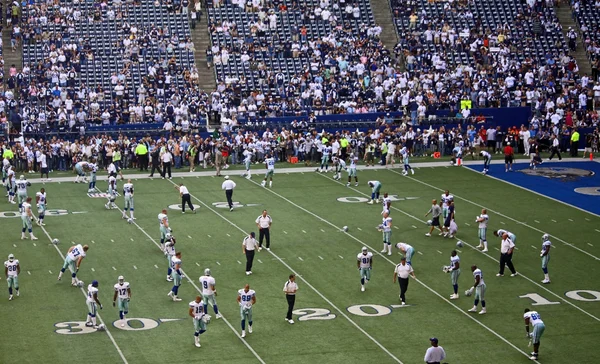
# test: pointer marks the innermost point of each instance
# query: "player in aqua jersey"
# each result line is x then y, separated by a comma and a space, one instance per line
375, 188
487, 159
545, 255
198, 313
479, 288
246, 299
404, 152
364, 262
11, 185
22, 185
81, 168
93, 168
170, 253
93, 303
454, 270
352, 170
73, 260
177, 275
112, 193
386, 228
534, 318
339, 165
209, 291
325, 155
270, 164
247, 163
163, 221
27, 218
123, 294
407, 250
12, 269
128, 193
40, 200
482, 220
501, 232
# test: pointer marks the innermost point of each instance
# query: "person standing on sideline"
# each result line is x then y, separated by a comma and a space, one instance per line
454, 270
264, 222
509, 155
218, 161
364, 262
574, 142
248, 246
435, 212
185, 198
479, 288
155, 156
228, 185
435, 354
167, 161
545, 255
506, 252
402, 271
534, 318
555, 148
290, 287
246, 299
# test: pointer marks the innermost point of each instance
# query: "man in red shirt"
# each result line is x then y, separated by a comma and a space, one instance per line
508, 157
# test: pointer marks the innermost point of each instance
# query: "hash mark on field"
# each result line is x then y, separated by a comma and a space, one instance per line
466, 223
50, 271
134, 267
28, 272
516, 248
341, 257
210, 236
460, 251
93, 270
586, 219
15, 245
554, 220
322, 230
359, 228
589, 244
218, 263
536, 221
34, 244
93, 242
114, 268
420, 253
197, 264
304, 231
131, 239
301, 259
395, 227
502, 222
155, 266
439, 252
112, 240
320, 257
571, 220
496, 248
228, 235
189, 237
597, 230
414, 227
239, 262
260, 261
285, 232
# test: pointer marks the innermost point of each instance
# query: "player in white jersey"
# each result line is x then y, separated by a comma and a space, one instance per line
93, 168
27, 218
112, 193
247, 163
40, 201
80, 169
198, 313
246, 299
5, 167
12, 185
364, 262
177, 275
73, 260
339, 164
386, 229
170, 253
446, 199
93, 303
375, 188
387, 203
407, 250
123, 294
128, 193
534, 318
22, 185
479, 288
325, 155
545, 255
163, 222
454, 270
487, 159
501, 232
352, 170
482, 220
404, 152
270, 164
12, 269
209, 292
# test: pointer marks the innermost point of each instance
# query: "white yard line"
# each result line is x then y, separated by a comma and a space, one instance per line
494, 259
339, 310
508, 217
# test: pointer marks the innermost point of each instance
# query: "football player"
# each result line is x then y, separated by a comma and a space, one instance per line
209, 292
176, 274
404, 152
112, 193
339, 165
22, 185
27, 218
40, 200
11, 185
364, 263
482, 220
128, 193
375, 188
352, 170
454, 273
446, 199
479, 287
247, 162
534, 318
73, 260
487, 159
545, 255
325, 154
501, 232
80, 169
197, 312
407, 250
12, 269
270, 164
123, 293
163, 221
246, 299
387, 203
170, 253
386, 228
93, 168
92, 303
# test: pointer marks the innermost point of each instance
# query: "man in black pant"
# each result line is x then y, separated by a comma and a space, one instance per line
264, 224
290, 289
228, 185
185, 198
555, 148
506, 252
167, 160
248, 246
155, 161
402, 272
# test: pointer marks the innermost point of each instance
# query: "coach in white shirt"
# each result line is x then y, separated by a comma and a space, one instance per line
248, 246
506, 252
185, 198
402, 271
264, 222
228, 185
290, 287
167, 160
435, 354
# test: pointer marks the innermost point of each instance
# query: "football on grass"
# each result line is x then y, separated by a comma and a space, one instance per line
459, 244
55, 241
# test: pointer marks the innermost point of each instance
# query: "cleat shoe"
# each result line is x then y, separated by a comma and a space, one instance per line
474, 309
483, 311
546, 281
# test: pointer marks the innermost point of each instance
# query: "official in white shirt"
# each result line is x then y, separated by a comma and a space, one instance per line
555, 148
167, 161
402, 271
185, 198
228, 185
248, 246
290, 287
264, 224
435, 354
506, 252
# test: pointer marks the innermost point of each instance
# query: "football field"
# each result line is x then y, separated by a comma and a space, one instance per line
335, 321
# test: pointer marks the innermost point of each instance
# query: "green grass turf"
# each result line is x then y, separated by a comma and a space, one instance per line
305, 239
